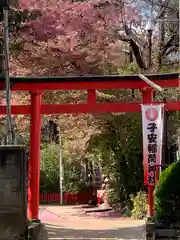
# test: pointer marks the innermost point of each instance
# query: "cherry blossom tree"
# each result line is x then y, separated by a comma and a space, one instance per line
73, 37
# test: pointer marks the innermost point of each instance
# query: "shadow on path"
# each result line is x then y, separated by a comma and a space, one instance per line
57, 232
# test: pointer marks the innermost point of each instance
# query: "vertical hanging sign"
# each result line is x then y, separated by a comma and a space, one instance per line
152, 123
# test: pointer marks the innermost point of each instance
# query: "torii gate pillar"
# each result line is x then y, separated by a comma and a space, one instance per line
34, 162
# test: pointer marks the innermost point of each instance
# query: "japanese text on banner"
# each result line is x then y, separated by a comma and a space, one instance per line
152, 121
152, 151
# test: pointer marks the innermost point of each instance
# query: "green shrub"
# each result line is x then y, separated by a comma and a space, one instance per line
167, 194
112, 196
72, 171
140, 205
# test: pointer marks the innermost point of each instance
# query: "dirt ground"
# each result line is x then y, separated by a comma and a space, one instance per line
70, 222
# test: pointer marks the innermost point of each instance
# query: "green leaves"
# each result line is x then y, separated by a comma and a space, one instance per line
72, 170
140, 205
49, 168
167, 195
117, 149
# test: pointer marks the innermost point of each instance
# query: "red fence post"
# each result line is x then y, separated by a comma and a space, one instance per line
34, 163
68, 198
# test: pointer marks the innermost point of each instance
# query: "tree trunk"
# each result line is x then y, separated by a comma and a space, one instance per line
161, 36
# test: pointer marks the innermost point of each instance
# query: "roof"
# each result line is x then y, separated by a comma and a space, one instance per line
89, 78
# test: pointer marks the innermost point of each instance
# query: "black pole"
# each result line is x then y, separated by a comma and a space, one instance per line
165, 152
3, 4
149, 36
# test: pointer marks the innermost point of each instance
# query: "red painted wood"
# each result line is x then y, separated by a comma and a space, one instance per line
85, 85
90, 108
87, 108
34, 163
68, 198
91, 97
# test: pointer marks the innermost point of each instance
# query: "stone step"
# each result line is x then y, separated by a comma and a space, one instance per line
165, 238
169, 233
43, 234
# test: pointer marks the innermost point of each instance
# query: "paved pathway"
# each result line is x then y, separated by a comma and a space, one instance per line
72, 224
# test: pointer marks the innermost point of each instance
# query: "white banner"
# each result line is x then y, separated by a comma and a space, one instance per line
152, 123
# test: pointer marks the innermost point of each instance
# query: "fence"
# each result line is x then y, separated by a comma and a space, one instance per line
68, 198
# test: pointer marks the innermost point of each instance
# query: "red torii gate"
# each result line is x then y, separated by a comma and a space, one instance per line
37, 85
